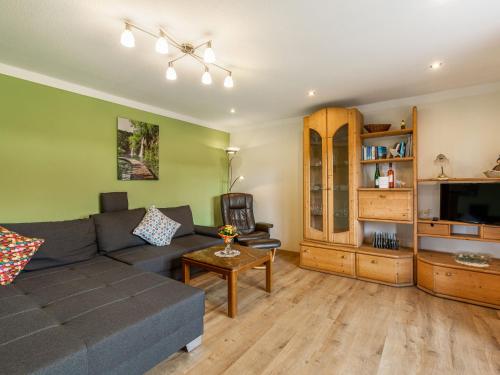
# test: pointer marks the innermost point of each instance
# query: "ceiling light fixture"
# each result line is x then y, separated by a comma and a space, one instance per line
127, 39
311, 93
161, 44
436, 65
163, 41
206, 78
171, 74
209, 55
232, 110
228, 81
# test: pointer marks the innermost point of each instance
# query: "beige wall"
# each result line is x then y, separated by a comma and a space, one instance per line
270, 159
463, 124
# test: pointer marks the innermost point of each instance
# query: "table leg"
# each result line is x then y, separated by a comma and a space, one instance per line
186, 272
269, 275
232, 300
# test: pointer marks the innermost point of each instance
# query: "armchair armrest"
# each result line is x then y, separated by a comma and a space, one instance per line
206, 231
264, 227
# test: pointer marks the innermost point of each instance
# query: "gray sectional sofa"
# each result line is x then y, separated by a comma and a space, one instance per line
95, 300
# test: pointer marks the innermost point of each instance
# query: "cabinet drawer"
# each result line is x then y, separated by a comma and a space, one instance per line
425, 275
432, 228
491, 233
388, 270
328, 260
386, 204
471, 285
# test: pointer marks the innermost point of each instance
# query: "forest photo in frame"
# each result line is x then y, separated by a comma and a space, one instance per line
137, 150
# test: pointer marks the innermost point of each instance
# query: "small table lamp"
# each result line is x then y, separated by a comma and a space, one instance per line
442, 160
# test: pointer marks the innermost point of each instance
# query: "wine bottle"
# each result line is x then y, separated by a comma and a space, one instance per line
390, 174
377, 176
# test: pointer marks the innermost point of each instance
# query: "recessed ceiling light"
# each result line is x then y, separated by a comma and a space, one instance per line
232, 110
436, 65
311, 93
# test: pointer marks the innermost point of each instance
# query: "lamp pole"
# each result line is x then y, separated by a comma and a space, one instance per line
231, 153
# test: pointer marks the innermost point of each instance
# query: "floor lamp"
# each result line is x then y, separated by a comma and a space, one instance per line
231, 152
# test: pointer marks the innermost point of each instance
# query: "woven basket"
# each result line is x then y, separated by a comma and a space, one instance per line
374, 128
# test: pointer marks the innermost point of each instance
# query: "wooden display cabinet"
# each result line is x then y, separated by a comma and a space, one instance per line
331, 176
335, 203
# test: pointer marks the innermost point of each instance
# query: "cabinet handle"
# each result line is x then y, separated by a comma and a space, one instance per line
374, 261
342, 257
448, 274
381, 196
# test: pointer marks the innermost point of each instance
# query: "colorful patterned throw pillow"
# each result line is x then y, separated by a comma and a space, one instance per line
156, 228
15, 253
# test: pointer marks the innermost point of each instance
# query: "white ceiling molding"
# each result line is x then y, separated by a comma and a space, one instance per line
42, 79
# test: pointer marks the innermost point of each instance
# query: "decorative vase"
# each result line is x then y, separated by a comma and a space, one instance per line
228, 240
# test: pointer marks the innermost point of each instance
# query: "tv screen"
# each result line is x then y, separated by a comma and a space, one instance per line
471, 203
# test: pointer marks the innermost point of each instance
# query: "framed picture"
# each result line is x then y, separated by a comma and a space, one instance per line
137, 150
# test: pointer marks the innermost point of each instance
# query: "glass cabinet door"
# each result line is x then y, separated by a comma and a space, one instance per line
315, 177
340, 180
316, 202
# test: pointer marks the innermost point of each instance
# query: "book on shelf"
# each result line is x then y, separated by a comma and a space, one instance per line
402, 149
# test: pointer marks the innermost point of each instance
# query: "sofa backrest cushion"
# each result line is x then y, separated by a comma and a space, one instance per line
114, 229
183, 216
66, 242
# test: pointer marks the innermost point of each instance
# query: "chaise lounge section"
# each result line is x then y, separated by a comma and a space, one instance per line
82, 308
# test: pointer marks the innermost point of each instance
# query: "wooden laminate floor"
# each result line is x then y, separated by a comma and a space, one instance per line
316, 323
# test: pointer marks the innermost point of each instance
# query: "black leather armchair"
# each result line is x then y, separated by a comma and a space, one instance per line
237, 210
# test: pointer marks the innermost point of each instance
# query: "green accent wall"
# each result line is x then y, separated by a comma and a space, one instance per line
58, 152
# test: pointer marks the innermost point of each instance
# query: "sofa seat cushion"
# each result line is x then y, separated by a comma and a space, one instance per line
257, 235
115, 229
163, 259
65, 242
33, 341
116, 310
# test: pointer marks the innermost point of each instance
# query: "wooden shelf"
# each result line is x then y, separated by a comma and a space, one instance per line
447, 260
389, 133
387, 221
459, 236
391, 160
447, 222
403, 252
384, 190
459, 180
486, 233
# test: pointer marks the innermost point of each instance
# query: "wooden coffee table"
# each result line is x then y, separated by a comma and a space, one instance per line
229, 267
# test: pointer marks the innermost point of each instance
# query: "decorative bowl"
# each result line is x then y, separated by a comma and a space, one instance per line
492, 173
374, 128
472, 259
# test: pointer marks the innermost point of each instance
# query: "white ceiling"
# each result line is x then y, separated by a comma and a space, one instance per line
352, 52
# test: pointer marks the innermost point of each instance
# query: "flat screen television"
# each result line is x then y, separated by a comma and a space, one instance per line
471, 203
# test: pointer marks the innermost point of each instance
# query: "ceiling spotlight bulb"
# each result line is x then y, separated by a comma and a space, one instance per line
228, 81
171, 74
311, 93
206, 78
209, 55
161, 44
232, 110
436, 65
127, 39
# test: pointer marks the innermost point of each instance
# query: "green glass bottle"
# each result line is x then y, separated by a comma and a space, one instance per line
377, 176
